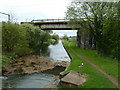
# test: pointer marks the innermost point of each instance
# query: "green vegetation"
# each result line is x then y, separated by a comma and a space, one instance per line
109, 64
19, 40
65, 37
101, 21
95, 78
0, 45
55, 39
14, 39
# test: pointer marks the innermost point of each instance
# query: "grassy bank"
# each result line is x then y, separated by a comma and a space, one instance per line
95, 78
107, 63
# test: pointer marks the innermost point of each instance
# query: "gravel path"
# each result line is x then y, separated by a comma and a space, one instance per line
112, 79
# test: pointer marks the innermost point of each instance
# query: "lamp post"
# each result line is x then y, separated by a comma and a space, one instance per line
7, 15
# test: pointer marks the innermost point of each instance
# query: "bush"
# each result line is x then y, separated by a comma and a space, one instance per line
13, 38
55, 39
8, 58
37, 38
23, 39
65, 37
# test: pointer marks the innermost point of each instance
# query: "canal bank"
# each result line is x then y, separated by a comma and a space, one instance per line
57, 54
95, 79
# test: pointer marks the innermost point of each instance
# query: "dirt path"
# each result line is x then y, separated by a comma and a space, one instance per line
112, 79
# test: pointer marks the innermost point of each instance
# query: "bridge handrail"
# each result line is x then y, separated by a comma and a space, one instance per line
54, 20
48, 20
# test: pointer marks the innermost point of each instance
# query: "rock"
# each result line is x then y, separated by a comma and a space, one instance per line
18, 70
63, 63
73, 78
31, 64
53, 84
28, 70
20, 63
61, 75
65, 57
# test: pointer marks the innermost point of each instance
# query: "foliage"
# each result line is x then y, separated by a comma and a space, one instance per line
23, 39
101, 19
8, 58
65, 37
37, 38
13, 38
55, 39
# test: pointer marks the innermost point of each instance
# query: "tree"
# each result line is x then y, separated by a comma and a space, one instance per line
65, 37
38, 39
55, 39
96, 18
13, 38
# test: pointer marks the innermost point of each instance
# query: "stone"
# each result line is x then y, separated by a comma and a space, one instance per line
65, 57
18, 70
62, 74
28, 70
31, 64
20, 63
53, 84
73, 78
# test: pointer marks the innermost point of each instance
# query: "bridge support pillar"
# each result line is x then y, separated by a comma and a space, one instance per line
84, 40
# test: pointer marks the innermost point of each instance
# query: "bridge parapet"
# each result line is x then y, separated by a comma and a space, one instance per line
52, 24
50, 20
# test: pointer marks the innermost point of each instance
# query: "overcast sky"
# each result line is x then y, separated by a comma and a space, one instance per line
27, 10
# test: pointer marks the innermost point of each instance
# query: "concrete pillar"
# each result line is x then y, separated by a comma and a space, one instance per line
84, 40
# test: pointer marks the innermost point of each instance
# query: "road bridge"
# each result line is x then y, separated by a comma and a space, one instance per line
83, 40
52, 24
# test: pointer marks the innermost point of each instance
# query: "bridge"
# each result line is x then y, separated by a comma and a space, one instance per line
62, 24
52, 24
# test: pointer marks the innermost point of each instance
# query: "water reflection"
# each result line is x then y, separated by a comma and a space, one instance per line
57, 52
44, 51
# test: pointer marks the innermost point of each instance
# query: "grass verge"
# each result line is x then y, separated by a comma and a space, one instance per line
95, 78
107, 63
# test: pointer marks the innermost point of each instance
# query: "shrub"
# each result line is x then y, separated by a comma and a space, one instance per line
13, 38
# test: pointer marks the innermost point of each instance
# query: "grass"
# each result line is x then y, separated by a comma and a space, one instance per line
107, 63
95, 79
6, 58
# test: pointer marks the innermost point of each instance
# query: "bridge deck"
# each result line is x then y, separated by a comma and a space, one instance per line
52, 24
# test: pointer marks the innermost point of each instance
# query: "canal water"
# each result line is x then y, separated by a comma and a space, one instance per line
58, 53
37, 80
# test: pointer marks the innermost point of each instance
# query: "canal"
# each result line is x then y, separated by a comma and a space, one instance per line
37, 80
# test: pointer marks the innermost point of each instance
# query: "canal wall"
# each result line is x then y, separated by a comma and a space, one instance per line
71, 58
67, 52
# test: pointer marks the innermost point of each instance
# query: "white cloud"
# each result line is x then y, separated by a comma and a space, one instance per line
67, 32
35, 9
